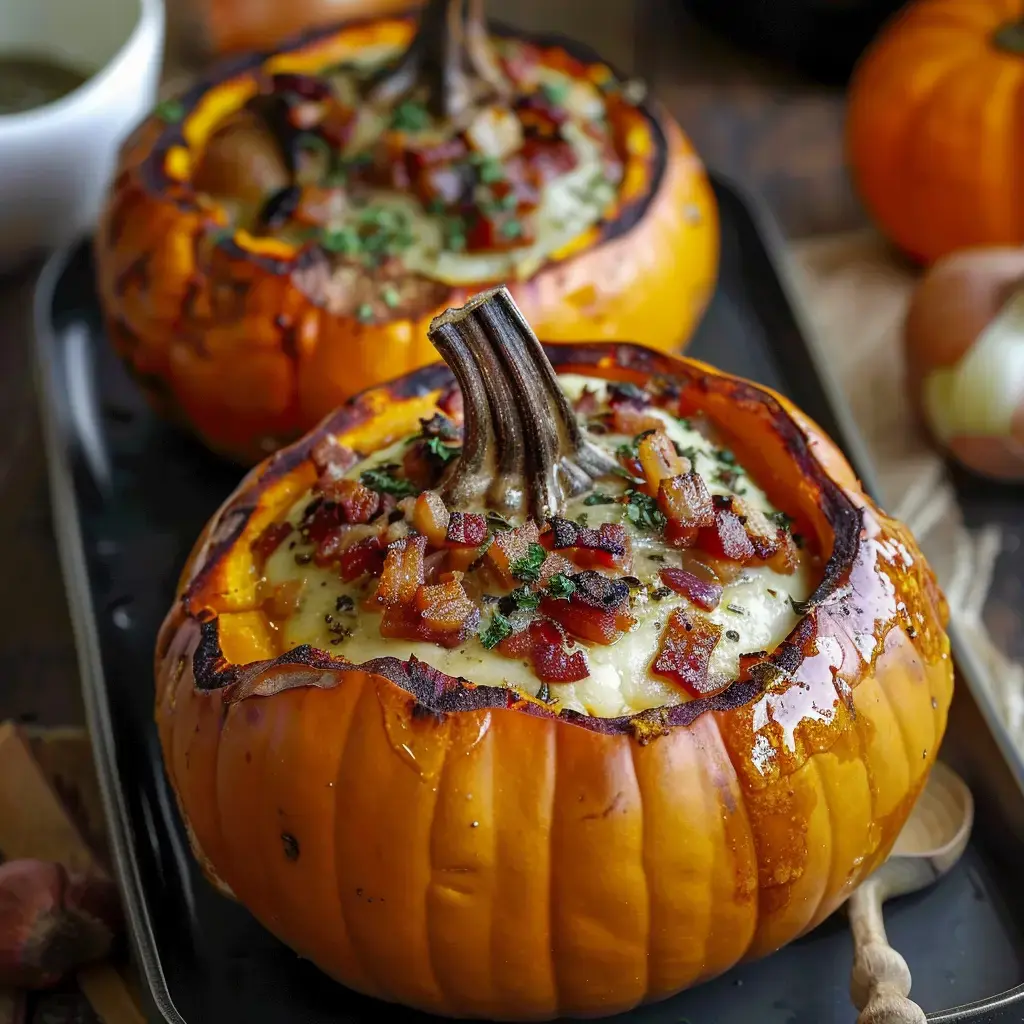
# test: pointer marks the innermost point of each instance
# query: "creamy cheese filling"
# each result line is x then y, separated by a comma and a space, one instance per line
755, 612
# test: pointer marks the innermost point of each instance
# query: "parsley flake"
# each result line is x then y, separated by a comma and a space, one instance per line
643, 512
410, 117
436, 447
525, 599
598, 498
170, 111
561, 586
496, 631
384, 483
527, 568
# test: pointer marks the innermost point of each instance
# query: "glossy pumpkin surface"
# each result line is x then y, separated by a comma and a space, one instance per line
465, 850
933, 126
222, 330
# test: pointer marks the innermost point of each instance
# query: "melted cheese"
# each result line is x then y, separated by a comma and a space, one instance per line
755, 612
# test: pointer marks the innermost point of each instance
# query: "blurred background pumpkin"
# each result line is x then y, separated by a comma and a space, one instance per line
933, 126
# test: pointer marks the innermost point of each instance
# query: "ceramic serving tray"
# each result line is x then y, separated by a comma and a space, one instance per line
130, 495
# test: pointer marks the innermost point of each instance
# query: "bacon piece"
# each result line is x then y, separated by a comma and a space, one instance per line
403, 572
269, 540
330, 453
466, 529
764, 535
684, 653
509, 546
446, 606
361, 559
586, 404
659, 460
687, 505
608, 546
728, 538
431, 516
702, 593
626, 419
421, 466
358, 504
498, 231
319, 519
595, 611
787, 558
451, 404
404, 622
331, 545
543, 643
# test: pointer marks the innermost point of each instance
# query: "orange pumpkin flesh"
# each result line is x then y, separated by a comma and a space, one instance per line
932, 126
463, 849
224, 333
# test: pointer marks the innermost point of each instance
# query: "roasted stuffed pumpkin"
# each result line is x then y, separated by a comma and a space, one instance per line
549, 684
280, 238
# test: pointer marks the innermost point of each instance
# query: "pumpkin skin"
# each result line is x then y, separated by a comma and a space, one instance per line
932, 126
463, 851
223, 339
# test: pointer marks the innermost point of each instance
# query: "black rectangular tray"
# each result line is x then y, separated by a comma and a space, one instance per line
130, 494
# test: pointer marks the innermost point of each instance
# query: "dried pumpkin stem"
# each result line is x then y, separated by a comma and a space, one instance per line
450, 64
523, 450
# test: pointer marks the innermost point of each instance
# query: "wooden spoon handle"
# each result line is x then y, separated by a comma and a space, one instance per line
880, 980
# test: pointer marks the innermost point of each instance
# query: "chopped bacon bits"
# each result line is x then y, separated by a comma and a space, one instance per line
269, 540
728, 538
357, 502
362, 559
405, 622
466, 529
431, 517
626, 419
329, 454
543, 643
684, 653
702, 593
686, 504
445, 605
402, 573
659, 460
595, 611
608, 546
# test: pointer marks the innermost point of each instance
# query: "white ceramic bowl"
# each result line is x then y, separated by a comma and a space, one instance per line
56, 160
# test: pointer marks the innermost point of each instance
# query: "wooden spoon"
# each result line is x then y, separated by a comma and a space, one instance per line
930, 844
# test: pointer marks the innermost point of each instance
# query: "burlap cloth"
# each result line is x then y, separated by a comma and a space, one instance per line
854, 293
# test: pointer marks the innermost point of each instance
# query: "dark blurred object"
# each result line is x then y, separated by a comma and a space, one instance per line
821, 38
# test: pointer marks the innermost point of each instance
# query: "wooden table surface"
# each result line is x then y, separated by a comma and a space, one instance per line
763, 126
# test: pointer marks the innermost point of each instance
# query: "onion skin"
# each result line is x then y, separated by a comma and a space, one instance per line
223, 338
964, 343
468, 853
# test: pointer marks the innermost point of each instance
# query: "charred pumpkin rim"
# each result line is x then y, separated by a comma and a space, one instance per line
439, 694
643, 174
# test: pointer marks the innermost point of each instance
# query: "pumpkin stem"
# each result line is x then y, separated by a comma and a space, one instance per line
523, 450
1009, 38
449, 65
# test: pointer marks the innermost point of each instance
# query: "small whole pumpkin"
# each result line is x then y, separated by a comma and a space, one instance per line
280, 237
933, 126
964, 340
550, 683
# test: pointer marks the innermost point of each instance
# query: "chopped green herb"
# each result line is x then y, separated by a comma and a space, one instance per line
598, 498
512, 228
313, 143
496, 521
410, 117
342, 240
561, 586
384, 483
364, 313
454, 234
626, 451
685, 423
643, 512
435, 206
527, 568
170, 111
583, 519
525, 599
497, 630
556, 93
544, 694
440, 450
689, 452
390, 297
488, 169
782, 520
